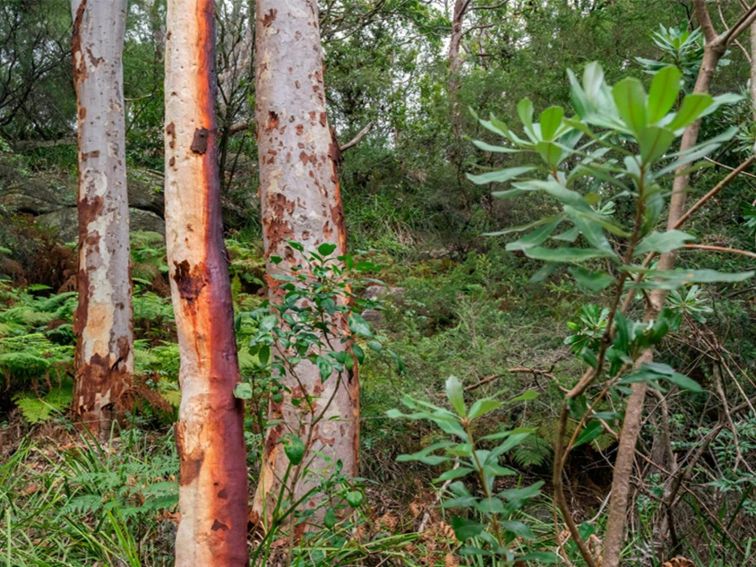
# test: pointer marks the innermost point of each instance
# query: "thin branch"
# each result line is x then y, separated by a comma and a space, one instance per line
356, 140
712, 248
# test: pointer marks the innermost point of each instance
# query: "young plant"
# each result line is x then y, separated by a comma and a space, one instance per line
615, 154
487, 520
317, 322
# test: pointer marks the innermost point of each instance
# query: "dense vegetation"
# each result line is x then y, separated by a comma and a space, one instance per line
503, 230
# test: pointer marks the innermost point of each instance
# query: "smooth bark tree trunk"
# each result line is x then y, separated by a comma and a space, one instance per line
301, 201
209, 434
103, 320
455, 64
714, 49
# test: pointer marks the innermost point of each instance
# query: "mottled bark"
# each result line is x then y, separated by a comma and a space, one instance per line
299, 190
213, 477
103, 320
714, 49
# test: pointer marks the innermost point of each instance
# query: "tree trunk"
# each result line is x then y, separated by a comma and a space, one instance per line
714, 49
103, 320
301, 201
455, 64
209, 434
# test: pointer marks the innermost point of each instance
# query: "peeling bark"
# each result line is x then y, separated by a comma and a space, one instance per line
103, 320
209, 434
301, 201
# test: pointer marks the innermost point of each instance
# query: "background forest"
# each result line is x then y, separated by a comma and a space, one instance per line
472, 332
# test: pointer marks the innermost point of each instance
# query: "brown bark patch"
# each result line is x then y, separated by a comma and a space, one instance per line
269, 18
199, 142
170, 130
189, 463
80, 68
272, 122
189, 280
218, 525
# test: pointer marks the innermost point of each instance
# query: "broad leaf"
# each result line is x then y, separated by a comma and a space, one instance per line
455, 395
662, 242
692, 107
550, 120
665, 87
653, 142
630, 99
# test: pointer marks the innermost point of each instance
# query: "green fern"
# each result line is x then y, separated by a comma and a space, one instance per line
535, 451
36, 409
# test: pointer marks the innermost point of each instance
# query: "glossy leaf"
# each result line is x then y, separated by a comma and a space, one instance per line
663, 92
663, 242
630, 99
455, 395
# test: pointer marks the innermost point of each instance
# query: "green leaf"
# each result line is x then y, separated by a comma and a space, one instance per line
566, 254
536, 237
359, 326
452, 474
499, 176
672, 279
662, 95
354, 498
465, 529
551, 120
425, 455
692, 107
486, 147
654, 371
517, 528
653, 142
589, 280
589, 433
550, 152
490, 506
455, 395
519, 495
525, 112
662, 242
326, 249
483, 407
243, 391
630, 99
294, 448
330, 519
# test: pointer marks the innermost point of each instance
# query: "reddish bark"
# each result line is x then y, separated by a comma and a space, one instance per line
209, 434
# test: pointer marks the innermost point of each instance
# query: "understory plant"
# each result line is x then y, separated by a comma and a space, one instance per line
607, 172
486, 516
317, 320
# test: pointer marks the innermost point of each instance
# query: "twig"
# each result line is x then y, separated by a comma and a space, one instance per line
356, 140
713, 248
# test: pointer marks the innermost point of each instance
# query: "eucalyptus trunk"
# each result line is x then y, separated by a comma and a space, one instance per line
301, 202
209, 434
103, 321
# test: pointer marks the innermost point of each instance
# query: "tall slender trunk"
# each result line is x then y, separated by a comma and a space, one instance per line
209, 434
103, 320
301, 201
455, 64
714, 49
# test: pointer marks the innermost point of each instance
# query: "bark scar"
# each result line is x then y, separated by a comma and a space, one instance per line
199, 143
